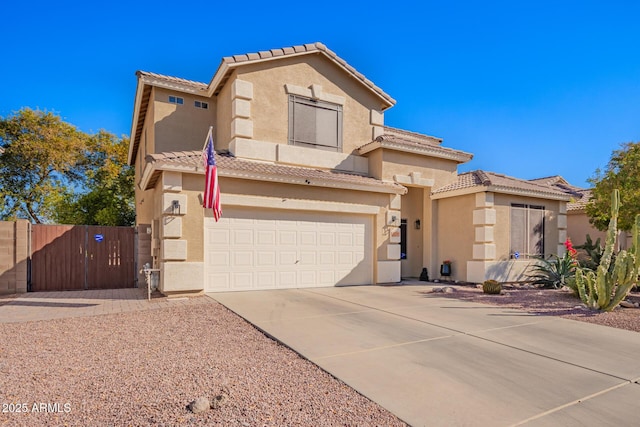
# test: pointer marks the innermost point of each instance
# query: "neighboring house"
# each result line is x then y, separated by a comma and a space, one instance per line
578, 225
316, 190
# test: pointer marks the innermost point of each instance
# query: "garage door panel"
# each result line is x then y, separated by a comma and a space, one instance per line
242, 258
327, 258
288, 258
219, 258
327, 239
266, 279
288, 237
218, 236
266, 258
308, 238
266, 237
345, 258
242, 280
269, 249
242, 237
307, 258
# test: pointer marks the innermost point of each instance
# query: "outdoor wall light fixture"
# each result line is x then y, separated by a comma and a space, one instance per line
417, 223
394, 218
175, 206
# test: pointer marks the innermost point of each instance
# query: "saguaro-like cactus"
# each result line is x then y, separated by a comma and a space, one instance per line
606, 287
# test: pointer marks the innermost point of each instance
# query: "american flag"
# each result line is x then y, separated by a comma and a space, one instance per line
211, 188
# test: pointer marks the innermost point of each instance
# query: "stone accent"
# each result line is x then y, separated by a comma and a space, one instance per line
484, 219
174, 250
394, 235
377, 118
172, 227
241, 89
393, 218
241, 96
393, 251
241, 108
242, 128
181, 276
172, 181
168, 205
388, 272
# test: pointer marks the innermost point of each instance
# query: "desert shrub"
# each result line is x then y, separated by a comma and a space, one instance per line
491, 287
554, 272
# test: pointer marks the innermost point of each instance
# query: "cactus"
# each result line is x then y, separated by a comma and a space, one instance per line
491, 287
606, 287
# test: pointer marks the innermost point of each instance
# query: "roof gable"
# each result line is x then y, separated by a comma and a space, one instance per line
477, 181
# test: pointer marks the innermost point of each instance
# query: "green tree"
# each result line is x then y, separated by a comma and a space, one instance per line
623, 173
42, 157
110, 195
52, 172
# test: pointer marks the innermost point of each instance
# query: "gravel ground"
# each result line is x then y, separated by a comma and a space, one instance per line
143, 368
552, 302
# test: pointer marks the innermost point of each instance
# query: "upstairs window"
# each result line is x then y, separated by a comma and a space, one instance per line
200, 104
176, 100
316, 124
527, 231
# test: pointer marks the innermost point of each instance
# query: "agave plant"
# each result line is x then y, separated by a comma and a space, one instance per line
554, 272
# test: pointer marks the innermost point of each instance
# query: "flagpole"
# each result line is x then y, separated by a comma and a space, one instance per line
207, 138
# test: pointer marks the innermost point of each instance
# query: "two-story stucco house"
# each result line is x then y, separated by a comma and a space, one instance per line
316, 190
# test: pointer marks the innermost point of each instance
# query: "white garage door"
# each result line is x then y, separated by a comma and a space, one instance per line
273, 249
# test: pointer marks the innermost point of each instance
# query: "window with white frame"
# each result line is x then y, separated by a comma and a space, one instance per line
201, 104
314, 123
176, 100
527, 230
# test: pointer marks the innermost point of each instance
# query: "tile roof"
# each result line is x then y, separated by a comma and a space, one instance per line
394, 138
500, 183
272, 54
231, 166
579, 197
171, 79
579, 200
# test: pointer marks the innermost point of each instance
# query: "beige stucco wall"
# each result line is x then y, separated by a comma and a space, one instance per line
180, 127
456, 234
193, 223
270, 103
395, 162
578, 227
223, 116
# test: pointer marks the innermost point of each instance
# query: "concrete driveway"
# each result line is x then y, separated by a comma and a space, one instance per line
435, 361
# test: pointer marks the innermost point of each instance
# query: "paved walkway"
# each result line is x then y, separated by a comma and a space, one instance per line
55, 305
434, 361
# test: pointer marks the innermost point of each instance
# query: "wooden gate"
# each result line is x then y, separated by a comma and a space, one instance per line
74, 257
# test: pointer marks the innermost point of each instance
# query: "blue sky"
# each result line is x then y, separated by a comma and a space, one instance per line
531, 88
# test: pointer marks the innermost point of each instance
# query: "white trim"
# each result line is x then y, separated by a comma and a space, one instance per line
296, 204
